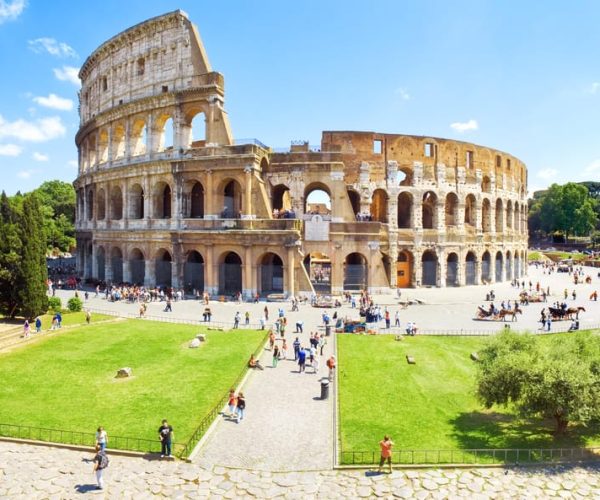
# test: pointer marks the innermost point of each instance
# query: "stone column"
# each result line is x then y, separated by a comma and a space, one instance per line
492, 267
94, 263
291, 268
248, 172
150, 273
211, 271
337, 271
417, 212
417, 268
209, 197
178, 202
460, 214
108, 274
127, 139
478, 217
249, 278
151, 142
442, 264
393, 260
478, 271
147, 198
126, 270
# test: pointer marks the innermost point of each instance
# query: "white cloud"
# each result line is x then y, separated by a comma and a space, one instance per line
10, 150
72, 163
55, 102
464, 126
52, 47
9, 11
26, 174
403, 93
67, 74
41, 130
547, 173
39, 156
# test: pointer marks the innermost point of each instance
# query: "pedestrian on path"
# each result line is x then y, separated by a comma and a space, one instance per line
331, 366
232, 403
26, 329
397, 318
271, 340
38, 325
88, 317
241, 407
247, 318
301, 360
284, 349
236, 320
100, 464
386, 452
275, 356
165, 433
266, 310
168, 307
101, 439
296, 345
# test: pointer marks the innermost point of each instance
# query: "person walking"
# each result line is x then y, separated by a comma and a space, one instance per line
247, 318
266, 311
331, 366
275, 356
165, 433
26, 329
88, 317
232, 403
386, 452
549, 322
271, 340
101, 439
284, 349
387, 318
236, 320
168, 307
38, 325
397, 318
301, 360
100, 465
296, 345
241, 407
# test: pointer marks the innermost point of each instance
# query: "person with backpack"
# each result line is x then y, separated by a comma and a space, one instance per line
165, 433
100, 464
241, 407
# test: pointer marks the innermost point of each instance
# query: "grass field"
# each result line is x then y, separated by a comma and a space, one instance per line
67, 381
430, 405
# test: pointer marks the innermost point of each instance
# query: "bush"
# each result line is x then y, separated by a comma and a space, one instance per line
75, 304
54, 304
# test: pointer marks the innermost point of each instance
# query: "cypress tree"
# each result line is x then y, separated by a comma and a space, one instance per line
33, 271
10, 256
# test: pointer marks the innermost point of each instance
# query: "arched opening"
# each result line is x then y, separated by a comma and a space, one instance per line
452, 270
198, 131
193, 272
486, 261
379, 206
404, 176
429, 263
118, 142
451, 209
387, 267
138, 137
101, 263
429, 210
405, 207
355, 272
270, 274
90, 204
165, 133
509, 215
471, 268
116, 263
197, 201
486, 216
88, 260
136, 202
509, 266
163, 265
404, 269
166, 202
517, 224
232, 200
470, 210
280, 199
354, 201
499, 216
137, 266
101, 204
230, 274
317, 200
499, 267
486, 185
103, 146
318, 268
162, 201
116, 203
517, 265
91, 151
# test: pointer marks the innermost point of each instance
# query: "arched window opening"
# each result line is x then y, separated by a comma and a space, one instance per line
355, 272
429, 264
90, 205
198, 131
193, 273
379, 206
405, 208
165, 138
499, 216
116, 203
486, 216
486, 275
355, 202
166, 202
451, 209
452, 270
429, 210
232, 200
230, 274
136, 202
138, 138
103, 146
163, 268
137, 266
499, 267
197, 201
470, 210
101, 263
317, 201
509, 215
470, 268
404, 269
116, 263
101, 204
281, 201
118, 142
271, 274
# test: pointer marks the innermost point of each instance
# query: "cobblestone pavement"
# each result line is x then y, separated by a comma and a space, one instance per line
34, 472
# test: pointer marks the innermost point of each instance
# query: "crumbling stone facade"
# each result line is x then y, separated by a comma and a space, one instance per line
166, 197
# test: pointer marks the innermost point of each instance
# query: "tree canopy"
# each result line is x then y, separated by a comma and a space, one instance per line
558, 380
57, 200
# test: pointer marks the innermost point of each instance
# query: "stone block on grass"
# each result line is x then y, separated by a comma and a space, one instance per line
124, 372
411, 360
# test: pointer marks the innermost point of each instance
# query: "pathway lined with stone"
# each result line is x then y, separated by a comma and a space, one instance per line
38, 472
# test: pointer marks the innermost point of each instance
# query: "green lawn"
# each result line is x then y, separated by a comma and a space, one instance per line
430, 405
67, 381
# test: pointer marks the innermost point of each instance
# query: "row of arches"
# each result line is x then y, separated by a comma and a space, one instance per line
142, 134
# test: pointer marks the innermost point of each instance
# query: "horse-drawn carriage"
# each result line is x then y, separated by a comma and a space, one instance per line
526, 297
492, 314
560, 313
350, 326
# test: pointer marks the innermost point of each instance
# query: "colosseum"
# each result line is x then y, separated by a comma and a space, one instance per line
166, 197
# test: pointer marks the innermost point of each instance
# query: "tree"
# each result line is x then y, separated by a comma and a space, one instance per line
58, 204
559, 380
10, 256
33, 272
568, 208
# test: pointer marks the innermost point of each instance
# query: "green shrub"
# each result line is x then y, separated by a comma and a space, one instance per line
54, 304
75, 304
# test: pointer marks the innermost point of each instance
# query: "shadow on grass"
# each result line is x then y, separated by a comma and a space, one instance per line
501, 430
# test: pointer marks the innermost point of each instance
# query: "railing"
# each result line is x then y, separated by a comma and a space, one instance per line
474, 456
255, 142
82, 438
215, 411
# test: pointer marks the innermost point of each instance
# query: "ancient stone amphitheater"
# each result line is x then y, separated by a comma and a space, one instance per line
167, 197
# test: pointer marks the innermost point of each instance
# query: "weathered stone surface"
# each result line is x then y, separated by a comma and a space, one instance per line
124, 372
195, 343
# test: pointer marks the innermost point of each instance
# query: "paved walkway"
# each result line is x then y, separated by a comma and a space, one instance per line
34, 472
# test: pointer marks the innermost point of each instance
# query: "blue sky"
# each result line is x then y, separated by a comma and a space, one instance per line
523, 77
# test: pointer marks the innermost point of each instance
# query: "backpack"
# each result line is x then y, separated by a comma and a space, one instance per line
103, 461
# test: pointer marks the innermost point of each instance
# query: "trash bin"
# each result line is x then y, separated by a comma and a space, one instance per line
324, 388
327, 330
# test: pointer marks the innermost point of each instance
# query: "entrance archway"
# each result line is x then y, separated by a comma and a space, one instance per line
232, 201
486, 265
499, 267
452, 270
163, 266
193, 272
470, 268
271, 274
509, 266
429, 263
137, 266
404, 269
281, 198
116, 263
230, 274
197, 201
101, 263
317, 199
355, 272
318, 267
451, 209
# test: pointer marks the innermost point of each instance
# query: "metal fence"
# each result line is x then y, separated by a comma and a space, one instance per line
474, 456
82, 438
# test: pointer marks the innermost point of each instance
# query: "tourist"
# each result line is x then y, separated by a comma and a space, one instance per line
241, 407
549, 322
322, 343
236, 320
58, 319
88, 317
165, 433
168, 307
315, 364
574, 295
331, 366
101, 439
397, 319
271, 339
254, 363
284, 348
247, 318
232, 403
38, 325
26, 329
386, 452
100, 464
301, 360
296, 346
275, 356
312, 351
262, 322
299, 326
387, 318
266, 311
